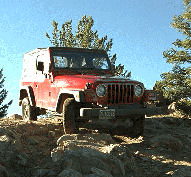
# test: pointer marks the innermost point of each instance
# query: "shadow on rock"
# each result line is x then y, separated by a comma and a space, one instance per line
165, 148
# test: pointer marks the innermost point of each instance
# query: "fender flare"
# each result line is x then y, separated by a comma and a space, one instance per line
78, 95
30, 95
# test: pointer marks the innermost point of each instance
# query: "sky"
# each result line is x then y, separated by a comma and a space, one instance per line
140, 29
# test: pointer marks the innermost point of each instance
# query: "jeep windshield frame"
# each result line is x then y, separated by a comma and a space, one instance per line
84, 60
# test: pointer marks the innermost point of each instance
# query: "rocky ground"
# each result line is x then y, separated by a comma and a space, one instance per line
38, 148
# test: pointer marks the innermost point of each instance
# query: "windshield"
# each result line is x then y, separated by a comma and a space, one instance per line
79, 60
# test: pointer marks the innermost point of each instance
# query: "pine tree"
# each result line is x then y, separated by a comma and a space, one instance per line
3, 95
84, 37
176, 84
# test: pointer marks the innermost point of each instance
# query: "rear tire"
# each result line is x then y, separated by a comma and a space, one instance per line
70, 113
28, 111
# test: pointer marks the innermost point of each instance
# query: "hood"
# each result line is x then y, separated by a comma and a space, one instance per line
79, 81
115, 78
74, 81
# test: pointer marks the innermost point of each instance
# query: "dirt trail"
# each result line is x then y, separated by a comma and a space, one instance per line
164, 148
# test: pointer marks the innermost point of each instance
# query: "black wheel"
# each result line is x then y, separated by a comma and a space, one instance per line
70, 113
28, 111
139, 124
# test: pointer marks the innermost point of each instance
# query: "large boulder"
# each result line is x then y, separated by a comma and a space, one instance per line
83, 159
91, 154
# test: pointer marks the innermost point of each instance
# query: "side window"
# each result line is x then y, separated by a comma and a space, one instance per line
39, 64
43, 63
42, 66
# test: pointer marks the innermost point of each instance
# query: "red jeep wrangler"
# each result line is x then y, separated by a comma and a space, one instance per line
78, 84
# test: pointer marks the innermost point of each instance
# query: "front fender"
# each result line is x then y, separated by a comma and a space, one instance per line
77, 94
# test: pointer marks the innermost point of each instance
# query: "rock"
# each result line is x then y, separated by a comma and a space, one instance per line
166, 141
183, 171
51, 127
70, 173
56, 153
85, 140
11, 156
51, 134
51, 174
154, 124
9, 140
100, 173
32, 141
15, 117
3, 145
18, 160
173, 121
83, 159
91, 175
66, 138
90, 155
41, 172
123, 153
11, 135
3, 171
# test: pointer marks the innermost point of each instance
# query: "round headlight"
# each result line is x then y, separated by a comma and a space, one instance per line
101, 90
138, 90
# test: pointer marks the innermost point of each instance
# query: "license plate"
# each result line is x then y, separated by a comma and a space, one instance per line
107, 114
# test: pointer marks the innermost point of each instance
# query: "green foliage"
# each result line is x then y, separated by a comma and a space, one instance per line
84, 37
3, 95
176, 84
62, 38
184, 107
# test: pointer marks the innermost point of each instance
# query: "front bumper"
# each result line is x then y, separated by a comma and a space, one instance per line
90, 112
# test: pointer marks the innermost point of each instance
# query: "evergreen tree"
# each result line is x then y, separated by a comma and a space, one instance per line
84, 37
176, 84
3, 95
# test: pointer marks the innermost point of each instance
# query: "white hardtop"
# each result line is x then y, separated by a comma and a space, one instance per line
37, 50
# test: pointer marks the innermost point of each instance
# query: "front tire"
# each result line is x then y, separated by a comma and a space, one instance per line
28, 111
70, 113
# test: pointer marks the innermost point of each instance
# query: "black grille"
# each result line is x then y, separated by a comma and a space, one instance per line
120, 93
